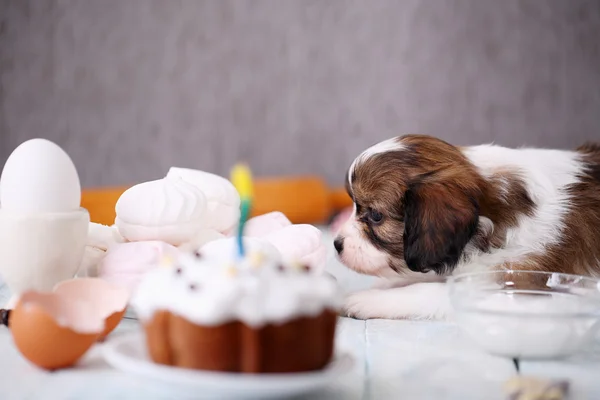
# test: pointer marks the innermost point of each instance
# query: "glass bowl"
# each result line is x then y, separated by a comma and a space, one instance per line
527, 314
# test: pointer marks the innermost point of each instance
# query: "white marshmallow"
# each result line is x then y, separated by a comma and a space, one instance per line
102, 236
223, 200
169, 210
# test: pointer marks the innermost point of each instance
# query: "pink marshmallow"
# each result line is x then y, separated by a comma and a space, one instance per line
266, 224
300, 242
126, 263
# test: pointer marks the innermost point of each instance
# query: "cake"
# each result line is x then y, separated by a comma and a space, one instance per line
254, 314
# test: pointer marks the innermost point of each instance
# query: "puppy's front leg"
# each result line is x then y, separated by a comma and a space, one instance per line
405, 280
417, 301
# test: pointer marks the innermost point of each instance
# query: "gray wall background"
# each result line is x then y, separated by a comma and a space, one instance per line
131, 87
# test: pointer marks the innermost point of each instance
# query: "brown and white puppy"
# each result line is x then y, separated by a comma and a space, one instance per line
425, 209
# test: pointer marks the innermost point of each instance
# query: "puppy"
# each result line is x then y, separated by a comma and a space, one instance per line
425, 209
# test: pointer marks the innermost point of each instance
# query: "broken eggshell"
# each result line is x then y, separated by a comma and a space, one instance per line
53, 331
106, 300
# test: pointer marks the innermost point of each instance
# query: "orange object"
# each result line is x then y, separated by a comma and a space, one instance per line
339, 199
304, 200
100, 203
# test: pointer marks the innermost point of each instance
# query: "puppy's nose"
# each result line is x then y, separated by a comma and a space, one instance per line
413, 268
339, 245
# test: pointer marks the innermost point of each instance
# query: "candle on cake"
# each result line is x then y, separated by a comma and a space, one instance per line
241, 177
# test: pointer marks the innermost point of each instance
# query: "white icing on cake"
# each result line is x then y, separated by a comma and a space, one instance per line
168, 209
222, 250
216, 288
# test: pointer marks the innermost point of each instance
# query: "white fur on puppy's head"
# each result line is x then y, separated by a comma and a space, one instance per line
359, 254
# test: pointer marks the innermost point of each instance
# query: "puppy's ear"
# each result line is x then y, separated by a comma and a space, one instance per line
439, 220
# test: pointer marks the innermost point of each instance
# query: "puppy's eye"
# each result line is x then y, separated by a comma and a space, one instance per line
375, 216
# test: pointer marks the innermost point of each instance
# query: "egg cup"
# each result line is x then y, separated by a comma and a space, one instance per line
40, 250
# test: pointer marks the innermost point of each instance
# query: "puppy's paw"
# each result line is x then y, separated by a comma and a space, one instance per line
418, 301
360, 305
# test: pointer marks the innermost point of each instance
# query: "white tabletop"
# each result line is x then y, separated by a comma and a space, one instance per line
394, 360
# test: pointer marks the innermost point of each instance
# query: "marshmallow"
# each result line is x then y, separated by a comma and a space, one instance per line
100, 239
266, 224
126, 264
223, 200
102, 236
89, 262
169, 210
299, 243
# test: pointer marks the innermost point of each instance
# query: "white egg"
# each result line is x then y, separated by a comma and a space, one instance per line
39, 176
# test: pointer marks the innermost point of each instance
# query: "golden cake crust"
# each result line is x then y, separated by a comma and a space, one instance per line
299, 345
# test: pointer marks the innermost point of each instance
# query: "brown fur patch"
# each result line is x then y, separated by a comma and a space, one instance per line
505, 199
579, 250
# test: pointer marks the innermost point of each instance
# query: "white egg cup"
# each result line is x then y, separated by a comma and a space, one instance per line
39, 250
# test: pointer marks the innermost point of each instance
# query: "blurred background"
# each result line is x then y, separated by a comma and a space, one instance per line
132, 87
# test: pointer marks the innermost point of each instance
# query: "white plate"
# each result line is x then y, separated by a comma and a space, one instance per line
128, 353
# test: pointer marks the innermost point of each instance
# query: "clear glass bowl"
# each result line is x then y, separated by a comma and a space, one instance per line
527, 314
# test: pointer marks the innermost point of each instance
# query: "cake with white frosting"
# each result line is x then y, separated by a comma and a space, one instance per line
250, 315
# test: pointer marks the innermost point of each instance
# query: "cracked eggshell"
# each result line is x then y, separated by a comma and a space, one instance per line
108, 300
52, 331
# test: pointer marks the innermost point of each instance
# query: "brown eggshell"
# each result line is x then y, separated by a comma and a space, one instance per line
112, 322
53, 332
107, 300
